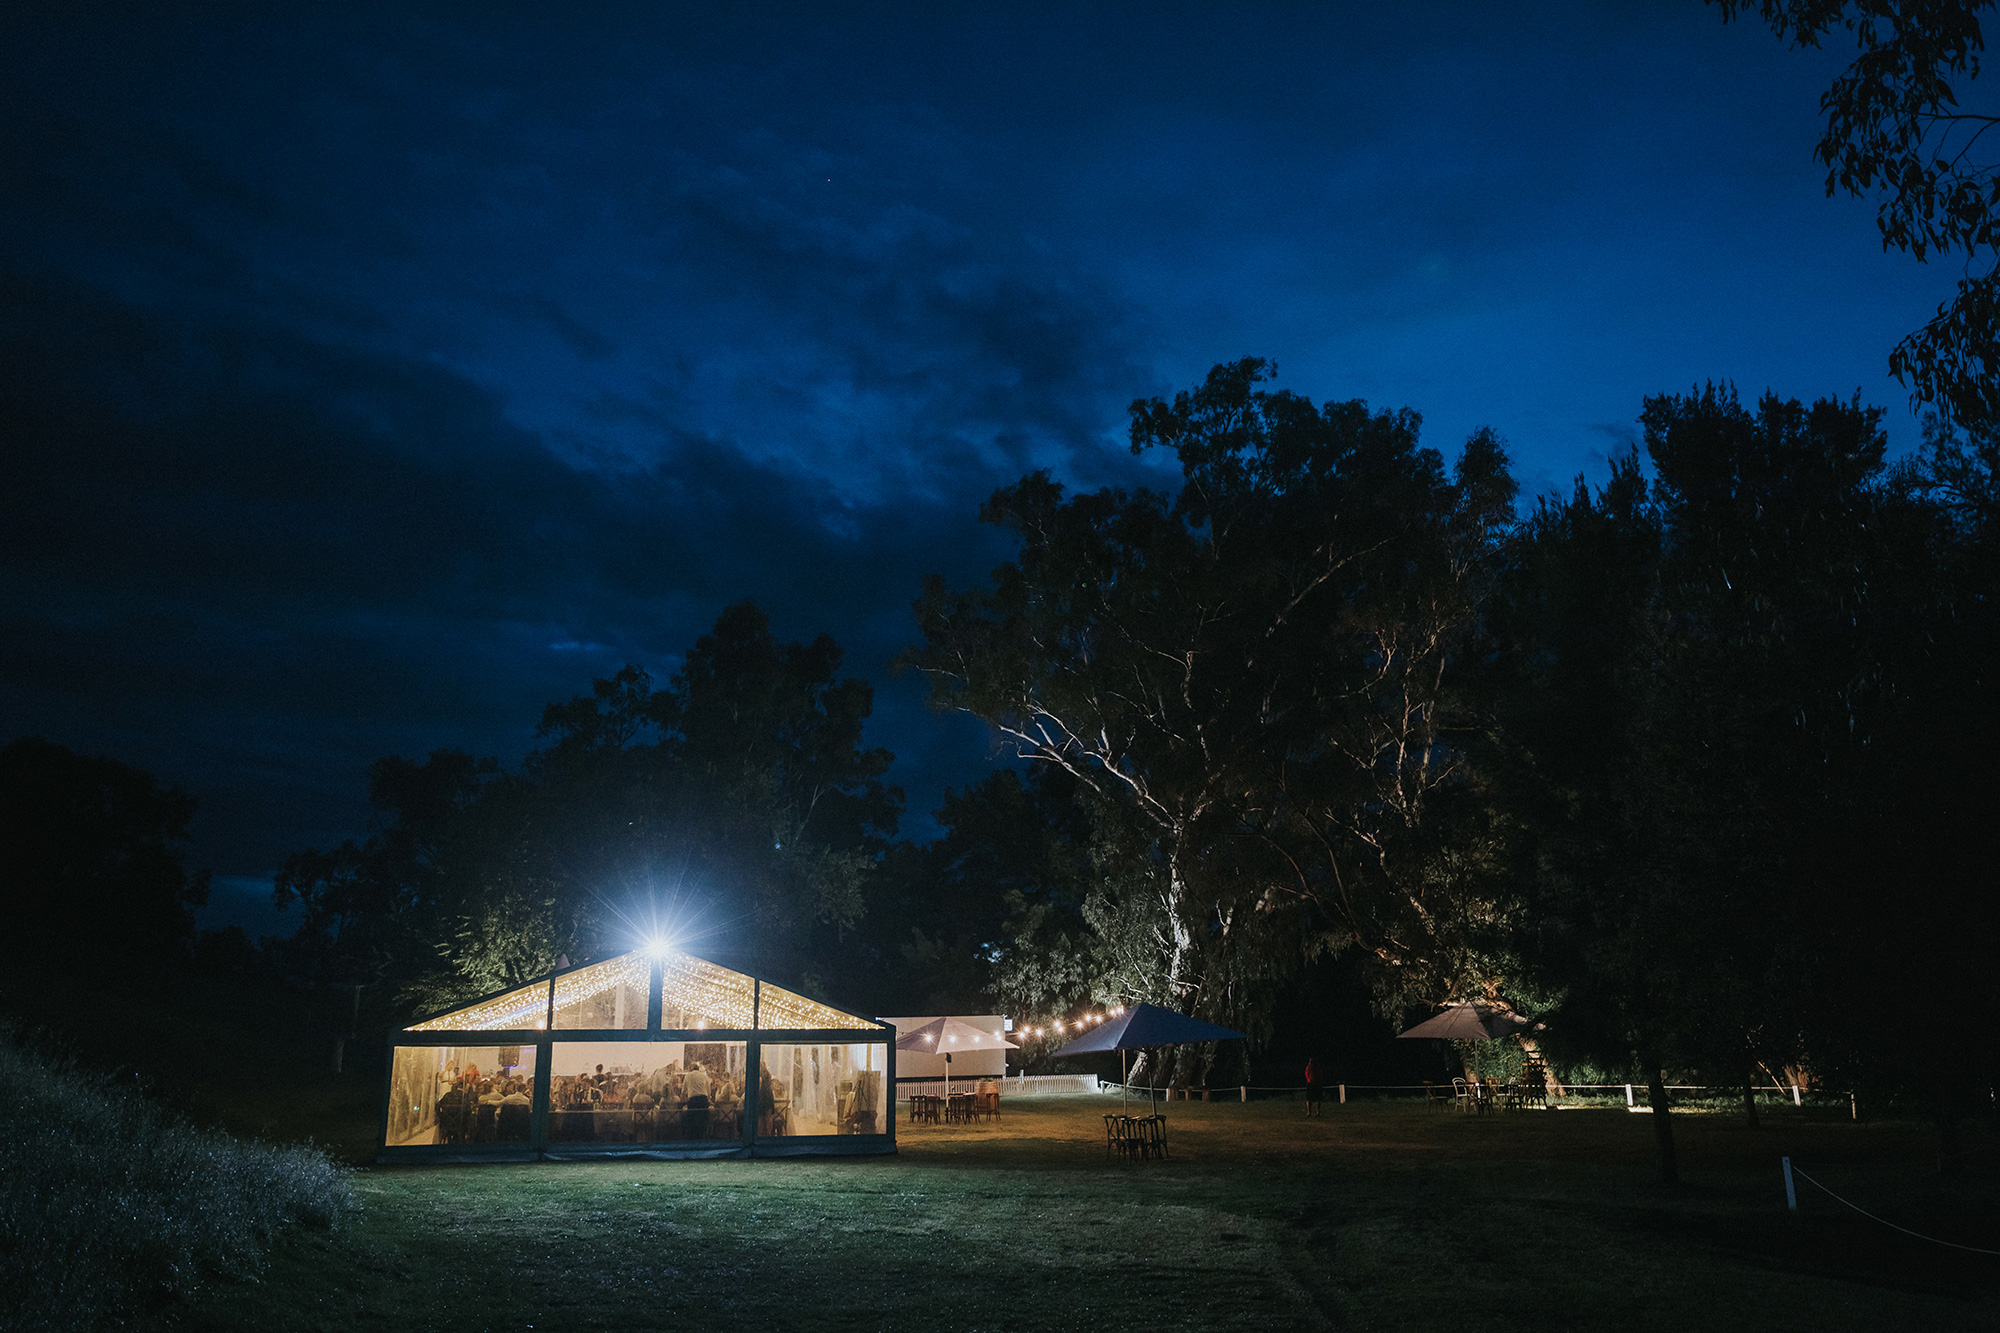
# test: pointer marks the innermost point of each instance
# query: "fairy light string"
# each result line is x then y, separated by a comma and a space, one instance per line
695, 995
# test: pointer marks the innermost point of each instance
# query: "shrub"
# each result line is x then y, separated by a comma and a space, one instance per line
110, 1205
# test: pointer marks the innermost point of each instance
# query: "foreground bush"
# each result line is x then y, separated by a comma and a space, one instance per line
109, 1205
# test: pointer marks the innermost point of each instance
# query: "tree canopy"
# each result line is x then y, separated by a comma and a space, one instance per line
90, 855
735, 809
1895, 127
1252, 681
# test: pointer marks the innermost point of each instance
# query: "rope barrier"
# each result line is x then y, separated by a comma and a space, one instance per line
1949, 1244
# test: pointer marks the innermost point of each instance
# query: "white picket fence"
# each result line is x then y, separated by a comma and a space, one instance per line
1029, 1085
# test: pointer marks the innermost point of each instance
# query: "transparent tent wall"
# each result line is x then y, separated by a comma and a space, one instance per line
646, 1091
460, 1095
811, 1089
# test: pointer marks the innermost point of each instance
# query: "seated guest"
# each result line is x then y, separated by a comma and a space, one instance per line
450, 1113
726, 1120
489, 1109
516, 1110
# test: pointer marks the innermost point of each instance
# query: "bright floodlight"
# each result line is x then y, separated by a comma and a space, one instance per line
659, 946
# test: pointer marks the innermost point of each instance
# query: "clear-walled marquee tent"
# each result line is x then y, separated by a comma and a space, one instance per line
655, 1054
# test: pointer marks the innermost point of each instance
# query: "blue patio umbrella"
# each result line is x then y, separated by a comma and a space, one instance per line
1142, 1026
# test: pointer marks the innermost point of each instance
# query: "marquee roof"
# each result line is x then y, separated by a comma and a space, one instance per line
694, 994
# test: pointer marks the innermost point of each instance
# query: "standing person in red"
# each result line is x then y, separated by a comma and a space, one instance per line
1312, 1085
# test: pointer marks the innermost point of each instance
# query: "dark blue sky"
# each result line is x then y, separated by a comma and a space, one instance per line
370, 377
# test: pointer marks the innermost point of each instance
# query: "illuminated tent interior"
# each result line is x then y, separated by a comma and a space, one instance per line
657, 1054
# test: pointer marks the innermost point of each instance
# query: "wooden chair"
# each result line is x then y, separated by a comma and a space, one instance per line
1461, 1095
1114, 1133
1435, 1096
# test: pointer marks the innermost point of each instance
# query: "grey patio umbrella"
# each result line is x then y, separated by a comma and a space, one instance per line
1141, 1026
1469, 1020
942, 1036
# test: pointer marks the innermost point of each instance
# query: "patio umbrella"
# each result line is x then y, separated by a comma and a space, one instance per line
1141, 1026
1469, 1020
942, 1036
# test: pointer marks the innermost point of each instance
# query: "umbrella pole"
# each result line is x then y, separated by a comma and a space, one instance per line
1124, 1078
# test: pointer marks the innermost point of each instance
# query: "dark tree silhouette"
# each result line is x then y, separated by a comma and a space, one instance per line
1742, 718
735, 808
993, 911
89, 863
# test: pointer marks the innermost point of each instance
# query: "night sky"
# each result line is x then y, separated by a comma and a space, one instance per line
373, 377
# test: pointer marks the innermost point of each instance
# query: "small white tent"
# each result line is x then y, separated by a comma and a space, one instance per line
988, 1063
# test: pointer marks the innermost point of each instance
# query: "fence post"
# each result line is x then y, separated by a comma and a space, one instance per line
1795, 1095
1791, 1193
1245, 1092
1628, 1094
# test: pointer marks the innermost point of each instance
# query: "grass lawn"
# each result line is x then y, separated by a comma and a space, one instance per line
1378, 1215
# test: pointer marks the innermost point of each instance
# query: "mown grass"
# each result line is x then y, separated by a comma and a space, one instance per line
112, 1208
1375, 1216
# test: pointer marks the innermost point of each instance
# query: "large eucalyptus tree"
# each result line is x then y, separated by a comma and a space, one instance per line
1251, 679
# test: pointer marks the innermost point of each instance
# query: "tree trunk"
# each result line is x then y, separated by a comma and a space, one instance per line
1180, 961
1750, 1096
1179, 1061
1663, 1125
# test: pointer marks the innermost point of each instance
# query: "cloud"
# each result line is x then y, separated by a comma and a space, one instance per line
238, 550
371, 376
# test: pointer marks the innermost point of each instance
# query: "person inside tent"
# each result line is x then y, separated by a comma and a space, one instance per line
695, 1122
